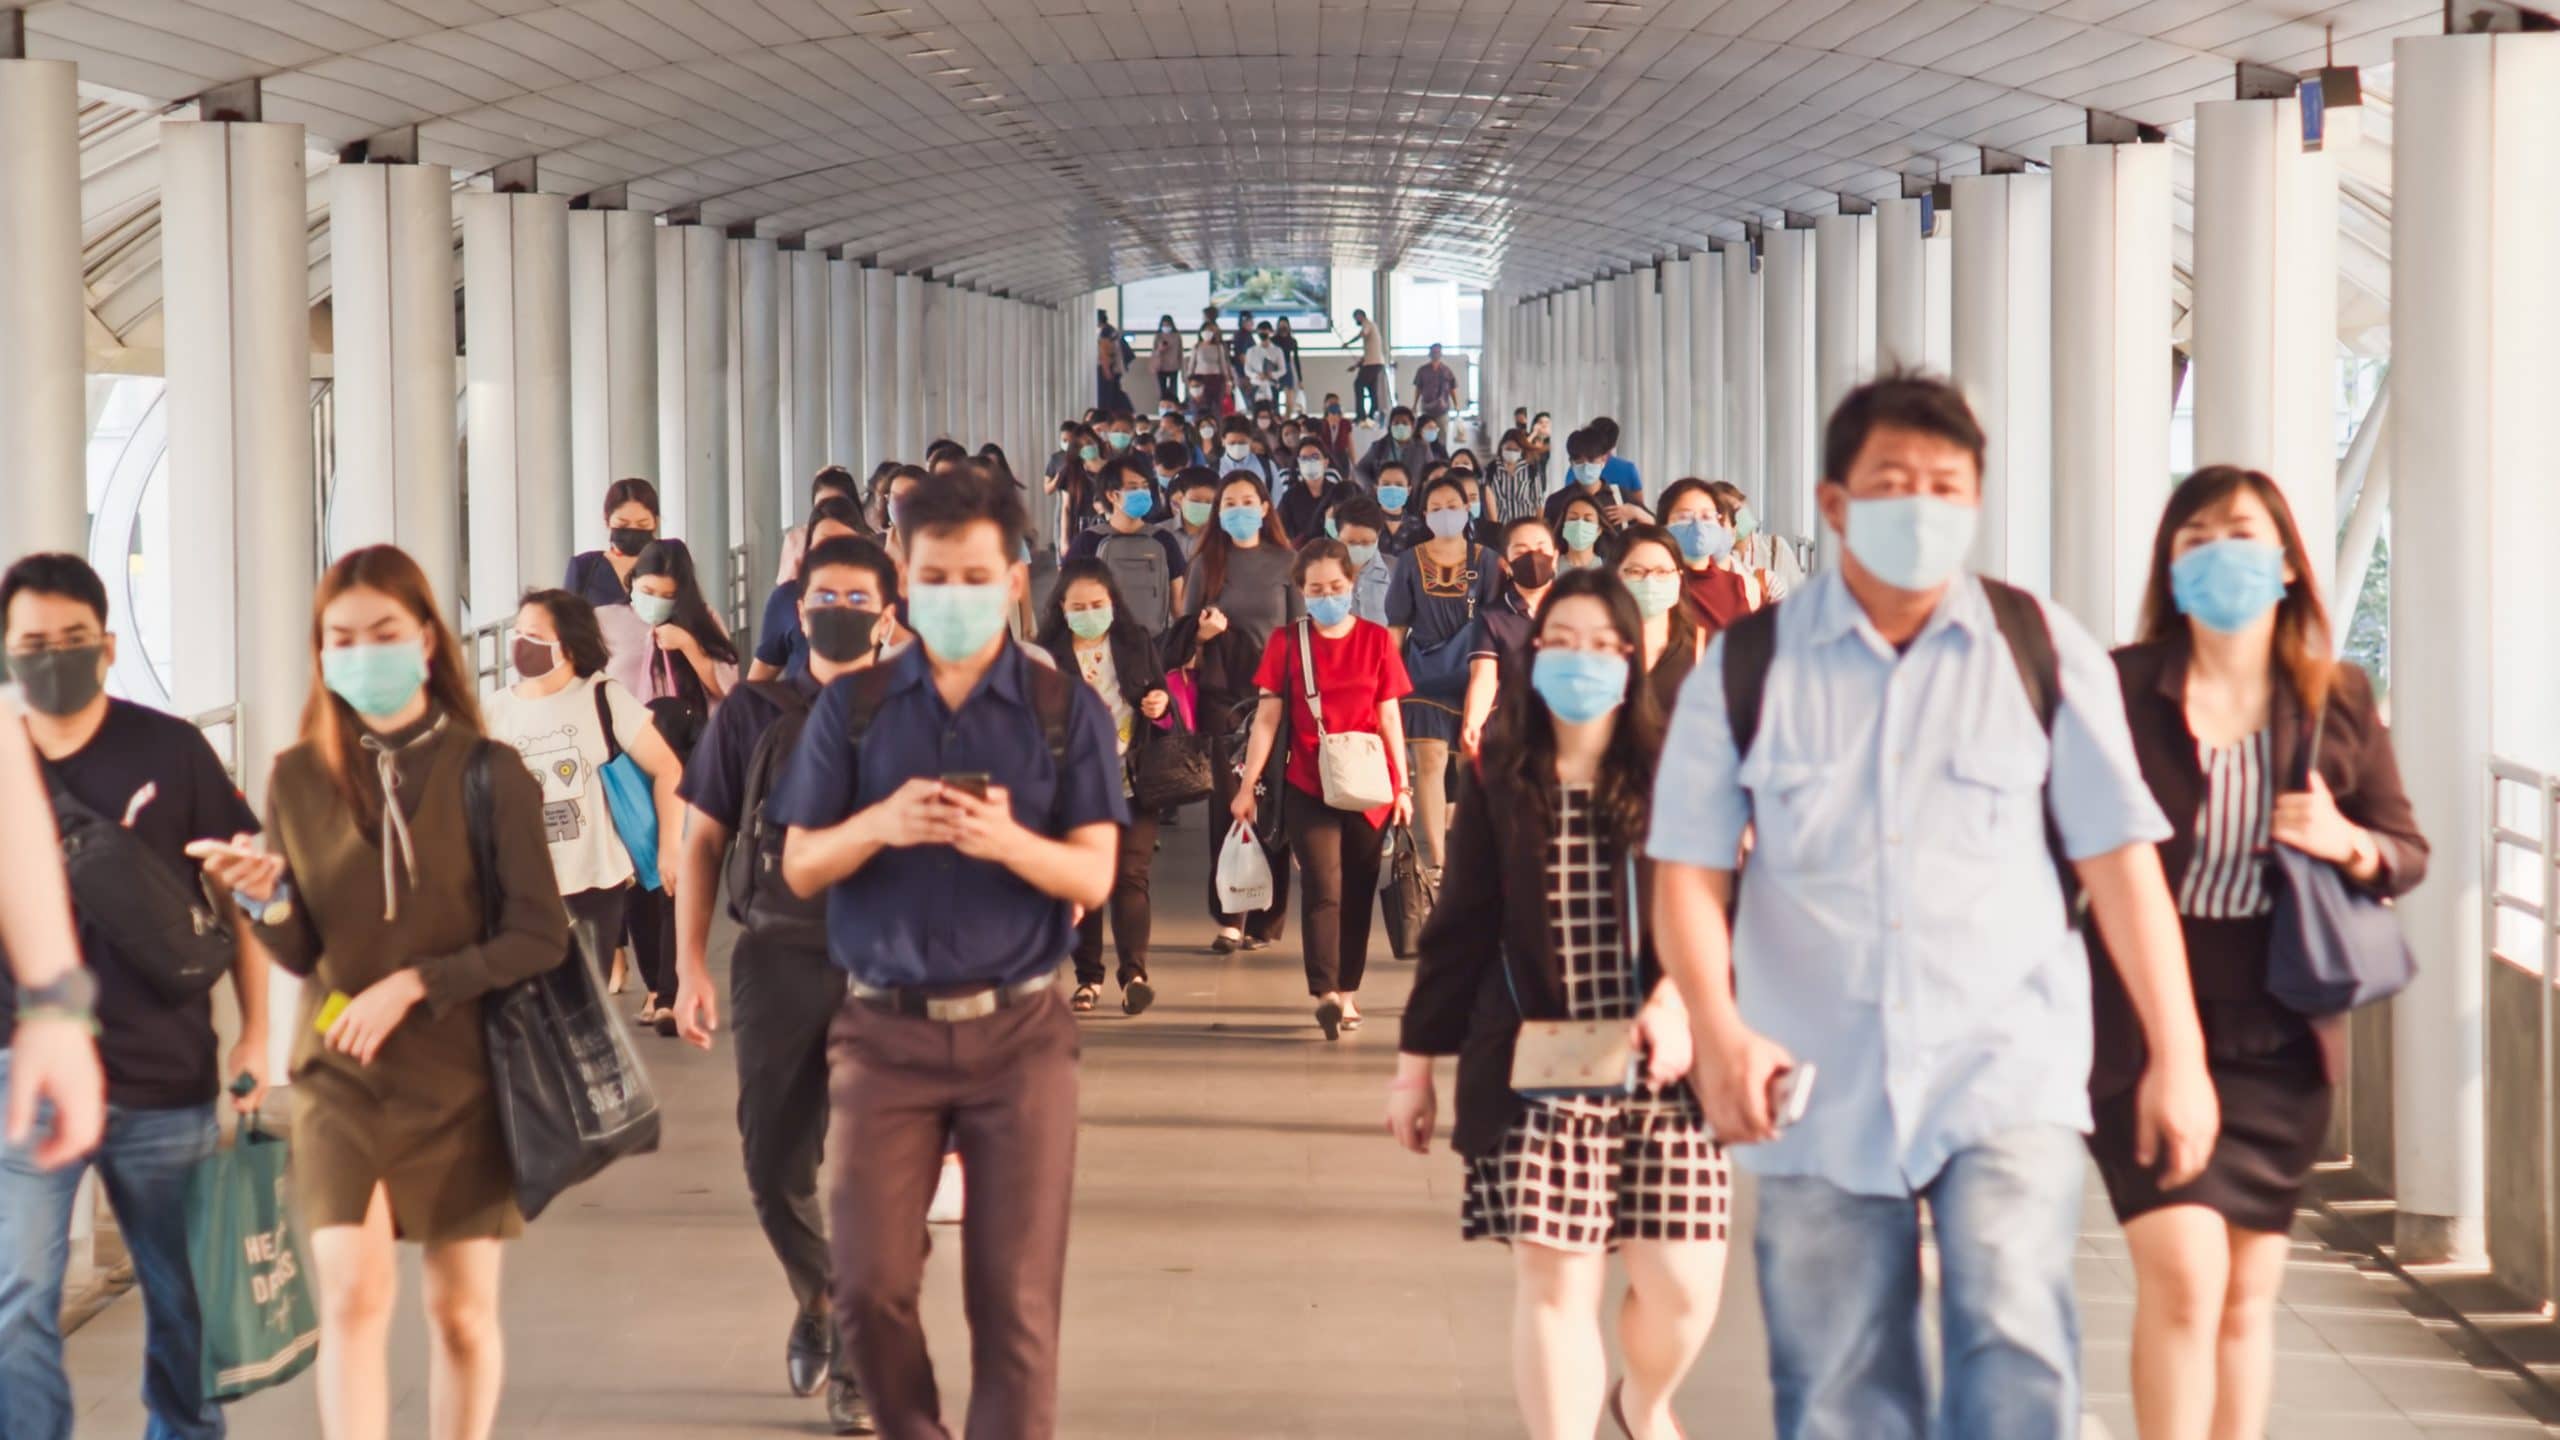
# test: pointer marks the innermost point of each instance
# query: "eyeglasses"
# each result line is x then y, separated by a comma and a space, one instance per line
1606, 644
1647, 572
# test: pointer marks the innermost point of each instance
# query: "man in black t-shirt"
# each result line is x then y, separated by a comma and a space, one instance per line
782, 994
154, 774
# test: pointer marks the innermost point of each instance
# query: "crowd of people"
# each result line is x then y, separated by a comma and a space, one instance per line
2006, 891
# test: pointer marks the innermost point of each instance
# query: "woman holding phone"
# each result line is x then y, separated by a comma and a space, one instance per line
1540, 919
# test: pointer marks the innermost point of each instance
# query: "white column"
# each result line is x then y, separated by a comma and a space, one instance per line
806, 379
1709, 433
2474, 303
613, 361
2265, 335
933, 376
1793, 436
237, 317
844, 365
44, 431
391, 279
881, 440
2110, 369
909, 413
1645, 390
1568, 390
1844, 308
755, 408
693, 398
1746, 455
1678, 428
1914, 289
2003, 353
515, 291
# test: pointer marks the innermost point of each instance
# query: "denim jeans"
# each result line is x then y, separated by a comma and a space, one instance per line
1840, 1291
143, 1164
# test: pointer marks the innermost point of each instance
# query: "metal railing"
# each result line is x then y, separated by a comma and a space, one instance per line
741, 594
488, 648
221, 729
2520, 944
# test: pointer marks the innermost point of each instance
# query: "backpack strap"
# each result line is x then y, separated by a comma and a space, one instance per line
1750, 647
2022, 624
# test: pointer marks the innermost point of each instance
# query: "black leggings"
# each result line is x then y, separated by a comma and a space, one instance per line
1337, 854
1169, 385
1132, 913
650, 921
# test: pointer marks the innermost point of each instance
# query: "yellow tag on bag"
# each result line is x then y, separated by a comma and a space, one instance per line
330, 1010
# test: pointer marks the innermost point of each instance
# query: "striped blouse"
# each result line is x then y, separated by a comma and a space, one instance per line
2226, 879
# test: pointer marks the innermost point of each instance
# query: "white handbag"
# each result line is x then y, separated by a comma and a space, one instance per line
1352, 767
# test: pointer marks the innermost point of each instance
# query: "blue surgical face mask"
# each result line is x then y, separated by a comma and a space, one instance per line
1655, 594
1446, 524
1119, 440
2228, 584
1196, 512
1241, 522
655, 609
957, 621
1328, 610
1429, 435
1401, 431
1136, 503
1361, 555
1089, 454
1239, 449
1394, 496
1577, 685
1701, 539
1587, 473
1332, 531
1746, 522
1581, 534
1911, 542
378, 680
1311, 466
1090, 624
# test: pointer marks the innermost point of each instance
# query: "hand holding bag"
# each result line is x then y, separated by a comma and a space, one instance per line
1580, 1059
252, 1278
1244, 873
2336, 946
1407, 897
1351, 766
1170, 768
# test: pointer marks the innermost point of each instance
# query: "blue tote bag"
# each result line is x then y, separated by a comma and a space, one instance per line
628, 796
2336, 947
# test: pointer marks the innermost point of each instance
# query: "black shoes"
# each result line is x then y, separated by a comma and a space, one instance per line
807, 1358
1329, 1016
1136, 995
847, 1411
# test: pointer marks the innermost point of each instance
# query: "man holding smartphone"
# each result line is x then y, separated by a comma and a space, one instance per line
954, 804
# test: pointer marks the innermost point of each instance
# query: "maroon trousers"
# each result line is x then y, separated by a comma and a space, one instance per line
1003, 1088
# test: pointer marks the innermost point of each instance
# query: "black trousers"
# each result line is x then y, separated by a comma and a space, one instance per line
649, 918
1337, 854
781, 1001
1268, 924
1364, 391
1132, 911
1169, 385
595, 919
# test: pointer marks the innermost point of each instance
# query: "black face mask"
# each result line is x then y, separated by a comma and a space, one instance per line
630, 541
840, 636
533, 658
1531, 570
59, 682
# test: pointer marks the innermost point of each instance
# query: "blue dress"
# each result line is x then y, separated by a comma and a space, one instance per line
1438, 619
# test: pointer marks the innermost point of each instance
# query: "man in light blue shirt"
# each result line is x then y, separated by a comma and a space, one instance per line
1904, 938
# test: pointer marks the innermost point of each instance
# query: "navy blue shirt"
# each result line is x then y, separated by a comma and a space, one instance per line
779, 642
715, 774
928, 915
591, 579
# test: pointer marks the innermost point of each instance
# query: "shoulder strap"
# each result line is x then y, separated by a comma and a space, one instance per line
1307, 669
479, 808
2022, 624
604, 719
1053, 695
1750, 646
786, 698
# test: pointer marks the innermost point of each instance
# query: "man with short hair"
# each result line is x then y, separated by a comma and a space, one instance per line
113, 763
1236, 441
1370, 373
1313, 493
1435, 387
955, 804
1617, 471
1401, 444
1362, 527
1586, 477
782, 989
1921, 753
1264, 365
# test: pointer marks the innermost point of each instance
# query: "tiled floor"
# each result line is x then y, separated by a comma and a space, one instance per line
1252, 1259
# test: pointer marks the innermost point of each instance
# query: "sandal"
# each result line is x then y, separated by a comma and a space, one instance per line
1136, 995
1329, 1016
1085, 998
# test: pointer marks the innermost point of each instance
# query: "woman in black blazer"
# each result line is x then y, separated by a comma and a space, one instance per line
2221, 693
1090, 632
1538, 916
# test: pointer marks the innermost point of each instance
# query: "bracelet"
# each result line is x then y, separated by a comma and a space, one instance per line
56, 1014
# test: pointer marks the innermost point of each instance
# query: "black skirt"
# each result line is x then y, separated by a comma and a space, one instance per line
2275, 1112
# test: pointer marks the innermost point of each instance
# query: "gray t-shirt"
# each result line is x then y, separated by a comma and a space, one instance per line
1257, 596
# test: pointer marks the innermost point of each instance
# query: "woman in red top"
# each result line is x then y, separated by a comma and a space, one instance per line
1713, 595
1359, 678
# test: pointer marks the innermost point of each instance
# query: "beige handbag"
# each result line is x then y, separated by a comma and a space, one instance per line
1352, 767
1580, 1059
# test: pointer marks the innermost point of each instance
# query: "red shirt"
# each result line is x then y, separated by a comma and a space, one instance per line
1355, 675
1716, 597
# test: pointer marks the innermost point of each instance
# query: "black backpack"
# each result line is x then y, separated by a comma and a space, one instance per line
160, 920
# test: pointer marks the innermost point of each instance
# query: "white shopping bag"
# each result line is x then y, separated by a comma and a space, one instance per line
1244, 875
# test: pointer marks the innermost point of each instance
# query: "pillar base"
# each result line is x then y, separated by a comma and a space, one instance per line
2418, 1239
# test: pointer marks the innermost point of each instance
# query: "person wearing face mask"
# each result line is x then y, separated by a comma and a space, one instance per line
1336, 431
1195, 512
778, 637
1586, 473
1518, 488
1293, 397
1394, 491
1403, 445
1242, 592
1146, 562
368, 888
1542, 916
567, 718
1236, 439
1209, 366
687, 665
1649, 565
1088, 631
1441, 584
956, 804
1904, 947
1167, 361
1362, 527
1579, 537
1076, 484
782, 989
1435, 388
1499, 651
1712, 592
603, 577
1317, 489
1770, 562
1335, 660
1266, 366
2250, 736
833, 481
1119, 432
110, 762
1535, 447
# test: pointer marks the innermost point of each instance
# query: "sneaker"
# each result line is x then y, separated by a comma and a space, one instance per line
847, 1411
1230, 939
948, 1194
1136, 995
807, 1355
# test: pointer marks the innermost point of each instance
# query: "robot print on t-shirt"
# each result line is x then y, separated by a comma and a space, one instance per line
561, 766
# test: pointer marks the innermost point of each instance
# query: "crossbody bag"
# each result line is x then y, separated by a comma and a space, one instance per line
1581, 1059
1351, 766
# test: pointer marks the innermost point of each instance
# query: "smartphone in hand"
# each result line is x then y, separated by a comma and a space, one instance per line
972, 783
1790, 1091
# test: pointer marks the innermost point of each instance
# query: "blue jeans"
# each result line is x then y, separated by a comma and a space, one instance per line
143, 1164
1840, 1291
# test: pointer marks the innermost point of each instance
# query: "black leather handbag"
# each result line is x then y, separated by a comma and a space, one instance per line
1170, 768
2336, 947
1407, 897
572, 1094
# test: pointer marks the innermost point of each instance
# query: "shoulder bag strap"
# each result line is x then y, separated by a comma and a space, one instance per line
604, 719
1307, 668
479, 808
2311, 753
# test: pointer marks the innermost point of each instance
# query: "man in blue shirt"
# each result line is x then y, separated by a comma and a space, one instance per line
782, 989
955, 804
1903, 944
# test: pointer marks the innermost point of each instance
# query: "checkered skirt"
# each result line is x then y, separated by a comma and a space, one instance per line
1586, 1174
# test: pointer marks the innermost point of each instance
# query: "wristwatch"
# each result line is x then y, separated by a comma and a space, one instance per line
72, 995
276, 910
